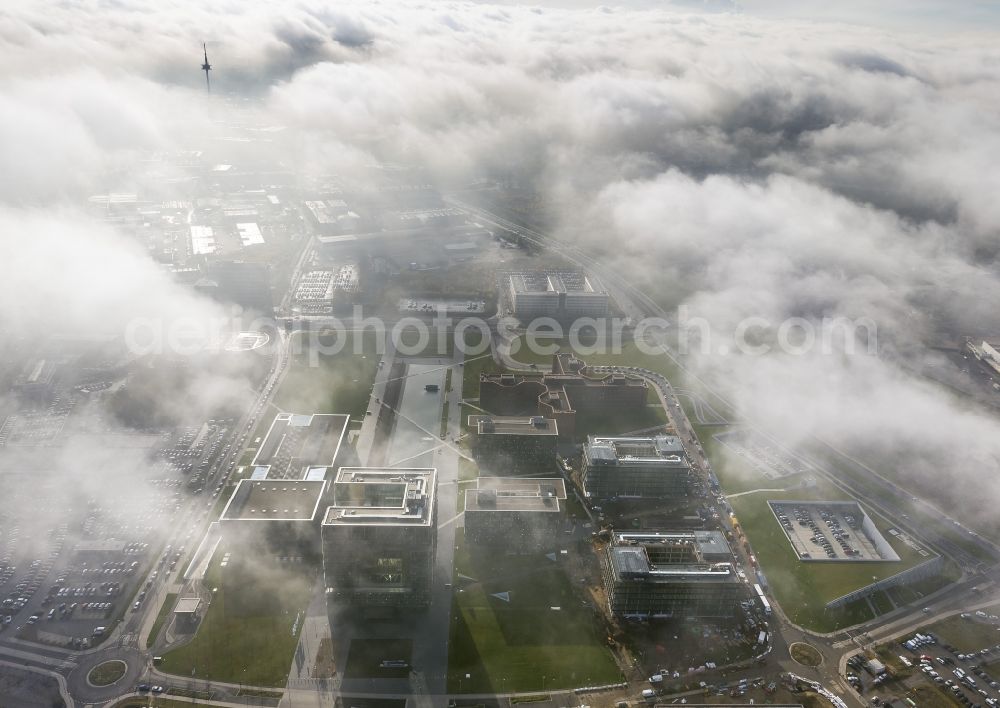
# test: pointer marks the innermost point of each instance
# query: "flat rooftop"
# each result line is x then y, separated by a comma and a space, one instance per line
637, 556
274, 500
712, 542
662, 449
706, 540
563, 281
541, 494
295, 442
534, 426
386, 496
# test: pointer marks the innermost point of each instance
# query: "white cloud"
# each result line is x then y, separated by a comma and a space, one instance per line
749, 166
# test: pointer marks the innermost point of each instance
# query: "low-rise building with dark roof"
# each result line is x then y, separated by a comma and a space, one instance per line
509, 440
569, 389
520, 514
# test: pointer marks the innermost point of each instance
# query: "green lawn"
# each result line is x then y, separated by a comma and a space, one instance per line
443, 428
480, 363
365, 657
930, 696
523, 644
249, 632
881, 602
993, 669
161, 618
338, 383
803, 589
619, 422
107, 673
409, 339
970, 634
153, 701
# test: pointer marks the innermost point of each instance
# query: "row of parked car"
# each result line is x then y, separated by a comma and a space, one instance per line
963, 681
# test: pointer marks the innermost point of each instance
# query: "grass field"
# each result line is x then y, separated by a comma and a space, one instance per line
161, 618
803, 589
615, 422
365, 657
107, 673
153, 701
523, 644
881, 602
407, 342
993, 669
965, 635
930, 696
475, 365
251, 628
339, 383
806, 654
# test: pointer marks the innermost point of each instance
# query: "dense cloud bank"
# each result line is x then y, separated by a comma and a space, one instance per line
765, 168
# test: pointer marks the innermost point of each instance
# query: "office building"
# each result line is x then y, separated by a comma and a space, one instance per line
281, 504
569, 389
654, 467
509, 441
379, 537
520, 515
561, 295
662, 575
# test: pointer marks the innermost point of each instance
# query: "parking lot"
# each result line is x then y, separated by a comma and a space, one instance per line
924, 662
832, 531
69, 585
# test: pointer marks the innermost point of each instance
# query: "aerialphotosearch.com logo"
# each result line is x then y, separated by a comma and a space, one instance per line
441, 335
755, 335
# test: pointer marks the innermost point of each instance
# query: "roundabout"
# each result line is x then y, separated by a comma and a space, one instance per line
107, 673
805, 654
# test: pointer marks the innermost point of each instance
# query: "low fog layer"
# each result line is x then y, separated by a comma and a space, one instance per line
736, 166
